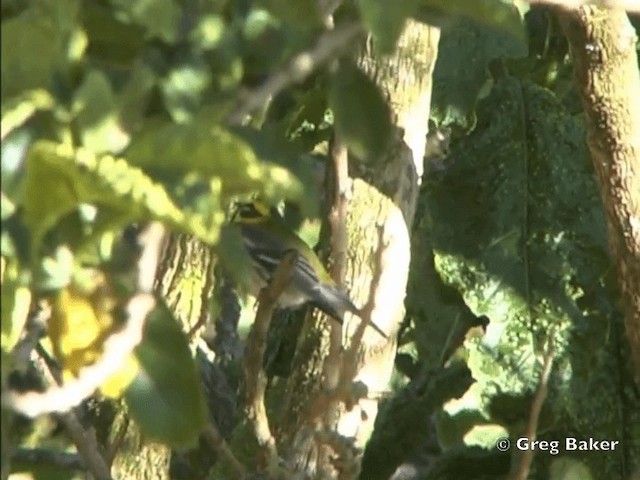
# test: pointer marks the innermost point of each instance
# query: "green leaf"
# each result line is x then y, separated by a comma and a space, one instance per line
361, 114
461, 73
184, 87
234, 257
31, 50
300, 13
133, 99
97, 119
71, 177
208, 32
386, 20
504, 15
56, 270
518, 229
160, 18
112, 40
212, 153
19, 109
16, 301
166, 397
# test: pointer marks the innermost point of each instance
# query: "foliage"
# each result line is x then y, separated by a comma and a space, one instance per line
117, 113
517, 230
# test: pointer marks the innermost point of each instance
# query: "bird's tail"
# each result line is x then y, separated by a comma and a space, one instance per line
333, 301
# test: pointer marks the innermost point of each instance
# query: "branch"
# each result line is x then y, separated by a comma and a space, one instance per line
605, 62
299, 68
84, 440
628, 5
256, 379
338, 254
345, 390
522, 471
117, 347
42, 456
218, 443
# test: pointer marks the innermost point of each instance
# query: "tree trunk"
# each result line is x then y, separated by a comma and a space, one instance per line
379, 218
185, 280
606, 67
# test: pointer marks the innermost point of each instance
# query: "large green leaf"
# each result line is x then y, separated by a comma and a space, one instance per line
361, 114
461, 74
210, 152
31, 50
166, 397
111, 38
504, 15
71, 177
386, 20
518, 228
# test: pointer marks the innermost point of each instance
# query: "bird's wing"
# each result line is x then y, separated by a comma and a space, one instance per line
267, 250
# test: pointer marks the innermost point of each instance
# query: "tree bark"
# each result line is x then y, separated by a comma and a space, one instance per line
185, 281
606, 67
380, 213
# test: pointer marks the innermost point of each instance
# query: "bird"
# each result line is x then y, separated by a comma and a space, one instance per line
267, 240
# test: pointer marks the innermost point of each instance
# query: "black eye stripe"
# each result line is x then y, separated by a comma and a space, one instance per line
248, 211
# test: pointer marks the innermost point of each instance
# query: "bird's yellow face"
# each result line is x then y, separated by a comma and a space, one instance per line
251, 212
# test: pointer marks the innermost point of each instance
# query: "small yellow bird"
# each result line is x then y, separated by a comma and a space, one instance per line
267, 239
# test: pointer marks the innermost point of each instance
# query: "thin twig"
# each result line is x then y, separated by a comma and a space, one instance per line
349, 365
117, 347
116, 350
337, 184
299, 68
350, 357
522, 471
85, 441
218, 443
337, 220
255, 377
87, 446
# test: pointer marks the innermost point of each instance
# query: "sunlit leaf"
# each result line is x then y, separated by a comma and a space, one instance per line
97, 115
16, 301
211, 152
79, 325
71, 177
19, 109
183, 88
208, 32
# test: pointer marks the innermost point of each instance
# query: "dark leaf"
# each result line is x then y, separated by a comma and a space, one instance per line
362, 115
166, 397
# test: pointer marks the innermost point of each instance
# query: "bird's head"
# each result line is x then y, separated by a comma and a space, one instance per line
254, 211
